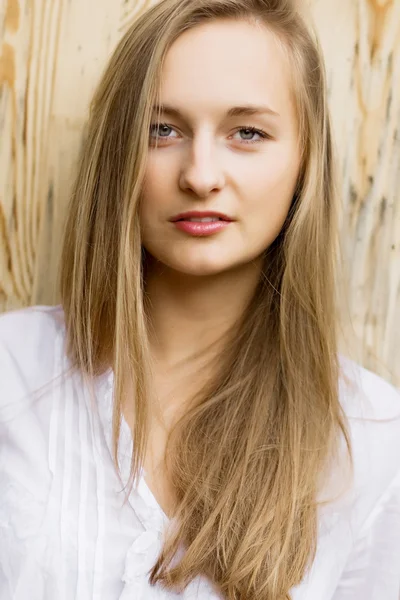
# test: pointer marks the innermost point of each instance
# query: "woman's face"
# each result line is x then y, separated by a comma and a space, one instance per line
209, 160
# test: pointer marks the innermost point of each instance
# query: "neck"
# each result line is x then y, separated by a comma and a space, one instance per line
188, 314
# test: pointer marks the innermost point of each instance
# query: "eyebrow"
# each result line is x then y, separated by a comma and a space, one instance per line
235, 111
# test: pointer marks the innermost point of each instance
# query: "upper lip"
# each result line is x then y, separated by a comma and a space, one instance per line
199, 215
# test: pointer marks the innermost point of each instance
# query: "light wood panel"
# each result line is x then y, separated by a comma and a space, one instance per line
361, 42
51, 56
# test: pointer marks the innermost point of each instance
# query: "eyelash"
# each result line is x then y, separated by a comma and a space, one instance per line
249, 128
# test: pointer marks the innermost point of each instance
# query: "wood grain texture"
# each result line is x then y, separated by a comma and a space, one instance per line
51, 57
361, 43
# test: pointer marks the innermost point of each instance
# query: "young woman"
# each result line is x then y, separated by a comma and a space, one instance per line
182, 424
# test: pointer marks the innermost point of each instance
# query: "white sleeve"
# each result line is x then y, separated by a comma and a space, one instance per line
372, 571
28, 354
28, 349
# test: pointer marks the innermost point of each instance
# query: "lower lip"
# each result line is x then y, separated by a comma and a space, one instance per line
200, 229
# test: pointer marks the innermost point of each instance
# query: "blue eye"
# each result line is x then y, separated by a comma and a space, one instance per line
158, 127
253, 130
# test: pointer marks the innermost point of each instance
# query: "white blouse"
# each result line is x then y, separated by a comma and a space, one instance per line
66, 533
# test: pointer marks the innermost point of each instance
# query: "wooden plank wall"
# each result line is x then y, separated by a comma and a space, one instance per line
51, 56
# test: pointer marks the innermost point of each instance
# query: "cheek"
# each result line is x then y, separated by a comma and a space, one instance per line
157, 182
269, 200
272, 189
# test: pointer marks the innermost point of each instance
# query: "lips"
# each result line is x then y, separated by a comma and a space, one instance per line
187, 216
201, 228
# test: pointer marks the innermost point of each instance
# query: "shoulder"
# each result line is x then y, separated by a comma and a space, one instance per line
365, 393
32, 321
30, 342
31, 431
372, 408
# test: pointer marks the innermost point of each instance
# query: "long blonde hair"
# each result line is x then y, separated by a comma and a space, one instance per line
247, 458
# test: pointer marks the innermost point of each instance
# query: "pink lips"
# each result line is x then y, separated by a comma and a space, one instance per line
199, 228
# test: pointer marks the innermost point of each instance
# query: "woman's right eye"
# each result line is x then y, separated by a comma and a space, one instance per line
159, 129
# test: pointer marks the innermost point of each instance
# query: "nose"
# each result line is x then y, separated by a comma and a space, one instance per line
201, 173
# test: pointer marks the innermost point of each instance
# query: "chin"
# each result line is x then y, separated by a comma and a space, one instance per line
196, 270
194, 263
195, 267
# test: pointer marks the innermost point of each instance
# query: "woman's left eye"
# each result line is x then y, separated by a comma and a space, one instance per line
253, 130
249, 130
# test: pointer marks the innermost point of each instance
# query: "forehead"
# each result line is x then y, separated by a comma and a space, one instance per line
223, 63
